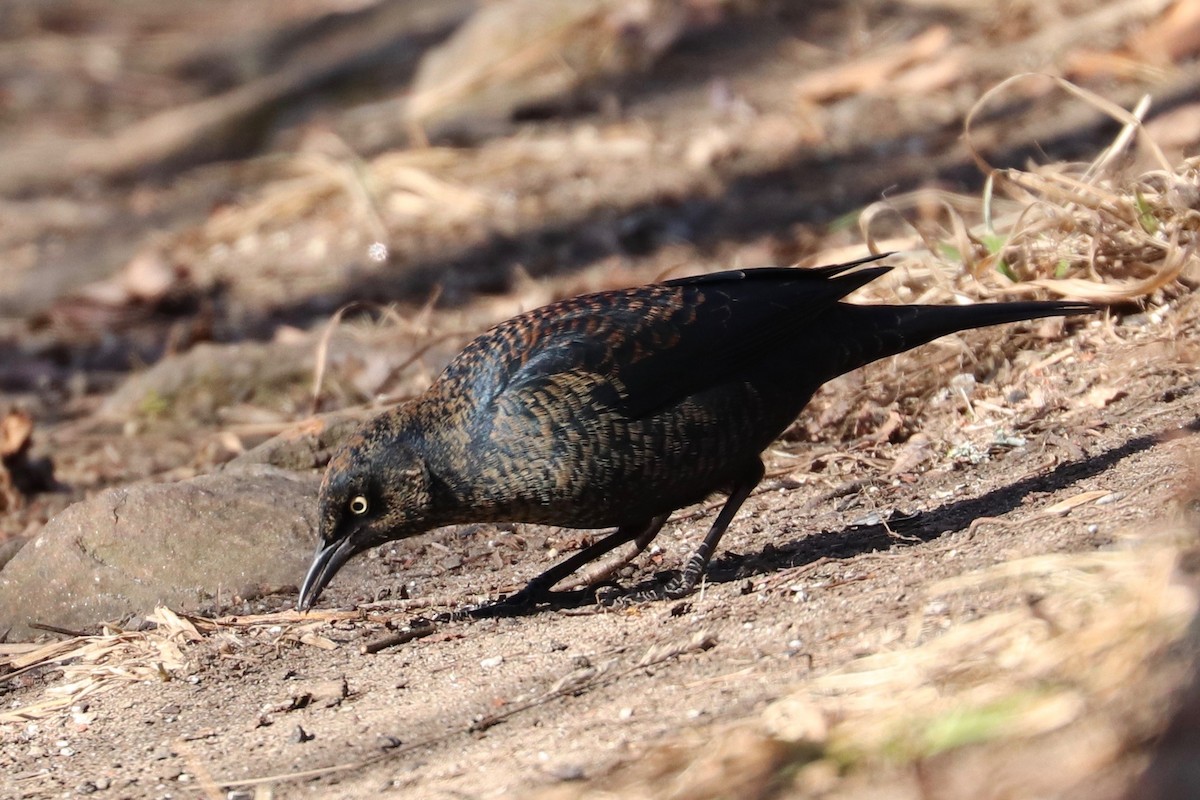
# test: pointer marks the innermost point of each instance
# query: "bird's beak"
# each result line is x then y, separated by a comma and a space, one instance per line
326, 562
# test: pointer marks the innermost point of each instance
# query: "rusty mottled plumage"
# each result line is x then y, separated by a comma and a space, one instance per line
617, 408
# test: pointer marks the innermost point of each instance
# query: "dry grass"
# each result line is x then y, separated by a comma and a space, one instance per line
1088, 231
1080, 639
400, 188
1084, 627
92, 664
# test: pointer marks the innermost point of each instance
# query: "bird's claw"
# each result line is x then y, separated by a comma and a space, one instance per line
673, 589
513, 605
517, 603
610, 595
457, 615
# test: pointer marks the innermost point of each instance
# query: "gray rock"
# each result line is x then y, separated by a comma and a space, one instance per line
9, 548
195, 386
303, 447
126, 550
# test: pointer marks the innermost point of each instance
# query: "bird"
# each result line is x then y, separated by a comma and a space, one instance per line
615, 409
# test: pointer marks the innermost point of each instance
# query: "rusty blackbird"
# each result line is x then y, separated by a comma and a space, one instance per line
616, 408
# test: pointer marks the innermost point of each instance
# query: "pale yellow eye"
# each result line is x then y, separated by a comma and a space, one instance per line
358, 505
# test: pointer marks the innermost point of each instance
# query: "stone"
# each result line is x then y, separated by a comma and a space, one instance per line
126, 550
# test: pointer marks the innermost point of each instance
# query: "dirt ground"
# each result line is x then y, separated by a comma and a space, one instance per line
1058, 448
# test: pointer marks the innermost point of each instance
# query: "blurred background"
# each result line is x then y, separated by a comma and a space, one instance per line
218, 170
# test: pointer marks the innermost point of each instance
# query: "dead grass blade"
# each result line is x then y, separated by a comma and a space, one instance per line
322, 353
873, 72
1024, 671
93, 664
1085, 231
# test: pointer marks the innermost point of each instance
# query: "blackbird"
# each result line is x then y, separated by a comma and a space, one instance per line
616, 408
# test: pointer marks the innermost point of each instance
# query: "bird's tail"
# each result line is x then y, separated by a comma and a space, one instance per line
873, 332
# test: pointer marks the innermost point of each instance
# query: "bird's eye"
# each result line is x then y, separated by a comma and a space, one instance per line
358, 505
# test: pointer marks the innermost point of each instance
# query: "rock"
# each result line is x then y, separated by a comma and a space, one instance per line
306, 445
9, 548
195, 386
127, 550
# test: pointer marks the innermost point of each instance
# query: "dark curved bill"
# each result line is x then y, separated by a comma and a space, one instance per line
326, 562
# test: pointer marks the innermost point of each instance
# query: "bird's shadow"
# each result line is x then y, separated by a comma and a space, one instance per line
854, 541
929, 525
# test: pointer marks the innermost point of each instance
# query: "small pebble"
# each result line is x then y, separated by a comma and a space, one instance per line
625, 713
567, 772
494, 661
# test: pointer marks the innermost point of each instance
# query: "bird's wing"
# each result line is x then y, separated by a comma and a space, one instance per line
644, 349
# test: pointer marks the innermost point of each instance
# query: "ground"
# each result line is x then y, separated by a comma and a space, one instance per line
1037, 483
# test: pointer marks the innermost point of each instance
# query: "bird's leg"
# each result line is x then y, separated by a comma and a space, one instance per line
605, 571
539, 587
693, 571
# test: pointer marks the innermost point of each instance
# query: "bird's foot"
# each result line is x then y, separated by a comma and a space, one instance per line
457, 615
527, 600
515, 605
672, 589
611, 595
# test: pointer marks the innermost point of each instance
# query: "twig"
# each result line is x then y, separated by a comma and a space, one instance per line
404, 637
70, 634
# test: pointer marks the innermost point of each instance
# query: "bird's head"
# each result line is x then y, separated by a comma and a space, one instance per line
376, 489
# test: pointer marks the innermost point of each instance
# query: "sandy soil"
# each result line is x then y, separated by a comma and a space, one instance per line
802, 587
968, 448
